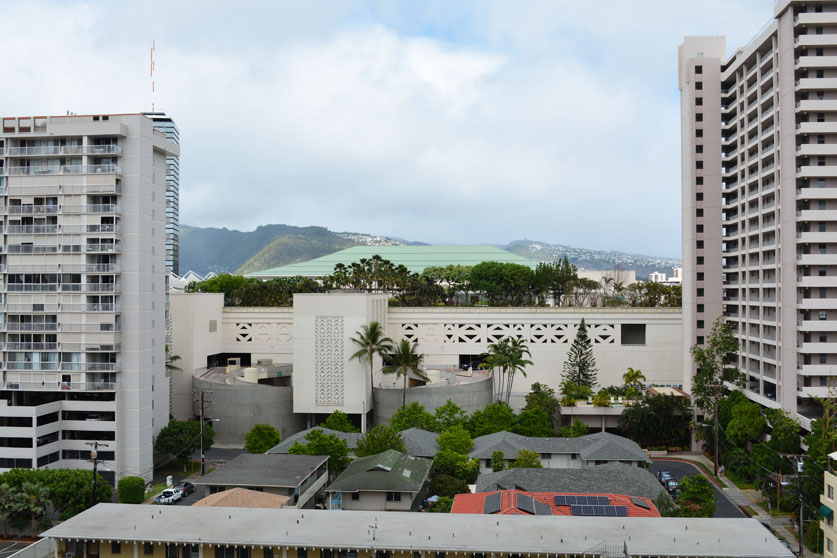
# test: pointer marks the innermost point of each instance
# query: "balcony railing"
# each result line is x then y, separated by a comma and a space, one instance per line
17, 365
31, 249
13, 346
91, 307
31, 209
61, 386
32, 229
89, 366
25, 326
65, 169
92, 208
31, 287
89, 287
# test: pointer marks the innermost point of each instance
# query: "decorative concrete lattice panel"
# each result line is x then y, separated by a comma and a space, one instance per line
328, 360
486, 333
284, 333
243, 333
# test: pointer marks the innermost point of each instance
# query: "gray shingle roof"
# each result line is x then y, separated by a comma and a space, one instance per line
258, 469
600, 446
613, 478
283, 446
389, 470
421, 443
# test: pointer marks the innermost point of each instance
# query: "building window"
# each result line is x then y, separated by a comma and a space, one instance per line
821, 183
699, 133
355, 496
698, 69
301, 553
700, 308
821, 228
820, 74
699, 182
224, 551
268, 552
820, 161
821, 139
700, 228
172, 551
93, 549
823, 359
148, 549
829, 545
700, 324
393, 496
823, 338
830, 492
700, 339
546, 455
244, 552
699, 165
699, 101
823, 292
700, 245
699, 85
821, 248
820, 117
700, 276
700, 260
115, 546
699, 212
821, 270
698, 149
700, 292
699, 117
818, 30
633, 334
823, 315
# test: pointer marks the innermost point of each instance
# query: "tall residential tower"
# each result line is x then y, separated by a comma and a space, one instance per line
759, 138
83, 291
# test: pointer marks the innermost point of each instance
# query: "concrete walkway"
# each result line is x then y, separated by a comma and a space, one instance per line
750, 498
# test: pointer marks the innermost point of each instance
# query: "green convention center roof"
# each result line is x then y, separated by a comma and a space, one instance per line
414, 258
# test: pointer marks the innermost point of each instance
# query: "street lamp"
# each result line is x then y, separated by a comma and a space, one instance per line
203, 454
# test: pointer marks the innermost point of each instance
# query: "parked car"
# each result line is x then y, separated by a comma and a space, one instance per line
185, 487
169, 496
663, 476
672, 486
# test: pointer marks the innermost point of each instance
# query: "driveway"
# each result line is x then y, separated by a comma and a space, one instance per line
723, 506
8, 548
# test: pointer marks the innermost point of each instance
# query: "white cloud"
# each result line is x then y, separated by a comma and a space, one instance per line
471, 122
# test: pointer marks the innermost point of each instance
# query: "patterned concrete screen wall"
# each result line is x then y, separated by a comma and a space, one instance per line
328, 360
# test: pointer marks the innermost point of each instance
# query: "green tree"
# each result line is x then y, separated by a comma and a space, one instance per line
404, 360
261, 438
783, 429
517, 363
412, 416
455, 439
320, 443
665, 505
338, 420
575, 430
601, 399
449, 415
697, 497
446, 486
580, 366
10, 502
381, 438
658, 420
542, 396
442, 505
223, 283
131, 490
498, 462
633, 381
447, 462
181, 438
747, 424
171, 361
556, 279
503, 284
534, 422
495, 417
70, 489
34, 499
509, 356
714, 364
527, 459
370, 341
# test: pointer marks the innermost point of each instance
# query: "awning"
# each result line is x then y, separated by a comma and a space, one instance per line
826, 512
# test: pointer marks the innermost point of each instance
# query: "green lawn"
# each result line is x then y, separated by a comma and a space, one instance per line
155, 491
704, 468
179, 469
737, 481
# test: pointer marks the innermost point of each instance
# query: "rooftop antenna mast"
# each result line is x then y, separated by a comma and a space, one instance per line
152, 76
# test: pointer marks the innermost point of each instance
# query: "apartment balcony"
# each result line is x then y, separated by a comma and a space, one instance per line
31, 287
31, 249
41, 150
816, 237
89, 268
66, 307
32, 229
814, 18
817, 370
812, 105
815, 40
32, 308
82, 229
818, 304
32, 209
89, 366
102, 150
19, 365
13, 346
813, 149
60, 386
65, 169
817, 214
91, 347
810, 391
98, 248
813, 193
26, 326
816, 171
816, 259
816, 127
89, 287
817, 325
818, 348
97, 328
815, 62
92, 208
816, 281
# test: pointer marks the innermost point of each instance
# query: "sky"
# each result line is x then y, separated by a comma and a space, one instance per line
449, 122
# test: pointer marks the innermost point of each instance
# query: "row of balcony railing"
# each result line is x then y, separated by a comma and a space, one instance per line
63, 287
35, 150
64, 366
63, 346
62, 307
63, 268
64, 169
66, 229
64, 327
59, 386
65, 249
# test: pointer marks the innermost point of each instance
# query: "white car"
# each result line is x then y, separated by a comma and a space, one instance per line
169, 496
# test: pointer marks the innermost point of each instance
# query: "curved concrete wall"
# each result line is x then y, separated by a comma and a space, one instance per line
240, 406
470, 396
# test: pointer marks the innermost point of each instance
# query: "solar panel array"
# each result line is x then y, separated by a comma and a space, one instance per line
526, 503
605, 511
581, 500
640, 502
542, 508
493, 503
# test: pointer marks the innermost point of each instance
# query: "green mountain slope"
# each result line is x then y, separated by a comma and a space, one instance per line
292, 248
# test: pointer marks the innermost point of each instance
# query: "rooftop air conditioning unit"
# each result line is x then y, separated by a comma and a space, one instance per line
264, 362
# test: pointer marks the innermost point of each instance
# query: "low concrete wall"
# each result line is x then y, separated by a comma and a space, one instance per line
471, 396
240, 406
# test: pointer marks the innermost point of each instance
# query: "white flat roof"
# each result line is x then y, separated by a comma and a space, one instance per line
685, 537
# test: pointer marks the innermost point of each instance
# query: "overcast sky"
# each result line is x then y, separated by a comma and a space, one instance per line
446, 122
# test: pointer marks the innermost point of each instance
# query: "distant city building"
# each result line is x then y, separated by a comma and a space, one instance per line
84, 305
759, 179
829, 504
658, 277
165, 124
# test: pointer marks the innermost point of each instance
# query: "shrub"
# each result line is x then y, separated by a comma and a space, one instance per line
446, 486
261, 438
601, 399
131, 490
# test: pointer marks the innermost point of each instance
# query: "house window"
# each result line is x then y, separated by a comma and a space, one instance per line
148, 549
823, 315
268, 552
700, 308
93, 549
244, 552
301, 553
355, 496
698, 69
700, 324
393, 496
171, 551
830, 492
224, 552
700, 339
193, 551
546, 455
488, 463
116, 547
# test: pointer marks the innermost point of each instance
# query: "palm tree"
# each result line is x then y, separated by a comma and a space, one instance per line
170, 361
371, 341
633, 381
9, 503
35, 498
498, 357
403, 360
517, 349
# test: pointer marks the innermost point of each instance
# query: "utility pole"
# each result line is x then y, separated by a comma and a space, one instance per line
94, 455
715, 401
801, 503
203, 399
203, 454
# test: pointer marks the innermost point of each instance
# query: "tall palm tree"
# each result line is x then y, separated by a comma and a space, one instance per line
634, 380
371, 341
171, 360
498, 357
517, 349
35, 498
405, 359
10, 499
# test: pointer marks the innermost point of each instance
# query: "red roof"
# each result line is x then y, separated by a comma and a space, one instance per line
474, 503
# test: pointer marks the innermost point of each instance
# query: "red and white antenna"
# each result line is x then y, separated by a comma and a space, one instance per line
152, 76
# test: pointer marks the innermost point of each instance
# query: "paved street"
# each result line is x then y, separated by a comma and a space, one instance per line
9, 548
679, 469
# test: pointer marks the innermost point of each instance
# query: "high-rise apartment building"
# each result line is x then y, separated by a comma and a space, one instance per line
759, 140
83, 291
166, 125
